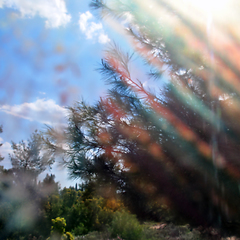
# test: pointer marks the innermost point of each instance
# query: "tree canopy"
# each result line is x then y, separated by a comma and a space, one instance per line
29, 158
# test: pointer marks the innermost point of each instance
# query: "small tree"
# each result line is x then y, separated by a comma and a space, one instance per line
29, 158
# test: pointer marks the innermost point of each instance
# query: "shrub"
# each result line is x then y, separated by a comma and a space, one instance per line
58, 225
58, 230
67, 236
80, 230
126, 226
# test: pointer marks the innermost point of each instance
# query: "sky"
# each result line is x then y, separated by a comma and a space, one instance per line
49, 53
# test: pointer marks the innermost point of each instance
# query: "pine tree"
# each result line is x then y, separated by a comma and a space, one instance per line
178, 146
196, 115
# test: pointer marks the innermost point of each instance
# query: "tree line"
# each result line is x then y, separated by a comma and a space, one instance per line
43, 209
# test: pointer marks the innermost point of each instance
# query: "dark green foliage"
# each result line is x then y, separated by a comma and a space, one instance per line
80, 230
53, 206
23, 207
82, 212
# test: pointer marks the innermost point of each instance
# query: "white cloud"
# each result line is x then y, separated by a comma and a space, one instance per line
5, 149
103, 38
83, 20
92, 29
42, 110
53, 10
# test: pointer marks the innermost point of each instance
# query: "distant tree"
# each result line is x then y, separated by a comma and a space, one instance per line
48, 185
29, 158
19, 191
69, 197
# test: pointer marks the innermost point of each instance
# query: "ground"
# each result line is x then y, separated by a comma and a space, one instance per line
169, 231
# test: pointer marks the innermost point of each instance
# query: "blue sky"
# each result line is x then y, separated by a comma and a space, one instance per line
49, 53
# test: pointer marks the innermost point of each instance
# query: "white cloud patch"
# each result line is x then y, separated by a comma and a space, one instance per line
5, 150
103, 38
42, 110
53, 10
92, 29
83, 20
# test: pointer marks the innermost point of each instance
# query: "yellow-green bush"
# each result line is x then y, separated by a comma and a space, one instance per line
126, 226
58, 225
67, 236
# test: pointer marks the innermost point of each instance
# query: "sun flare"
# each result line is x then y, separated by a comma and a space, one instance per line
213, 6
